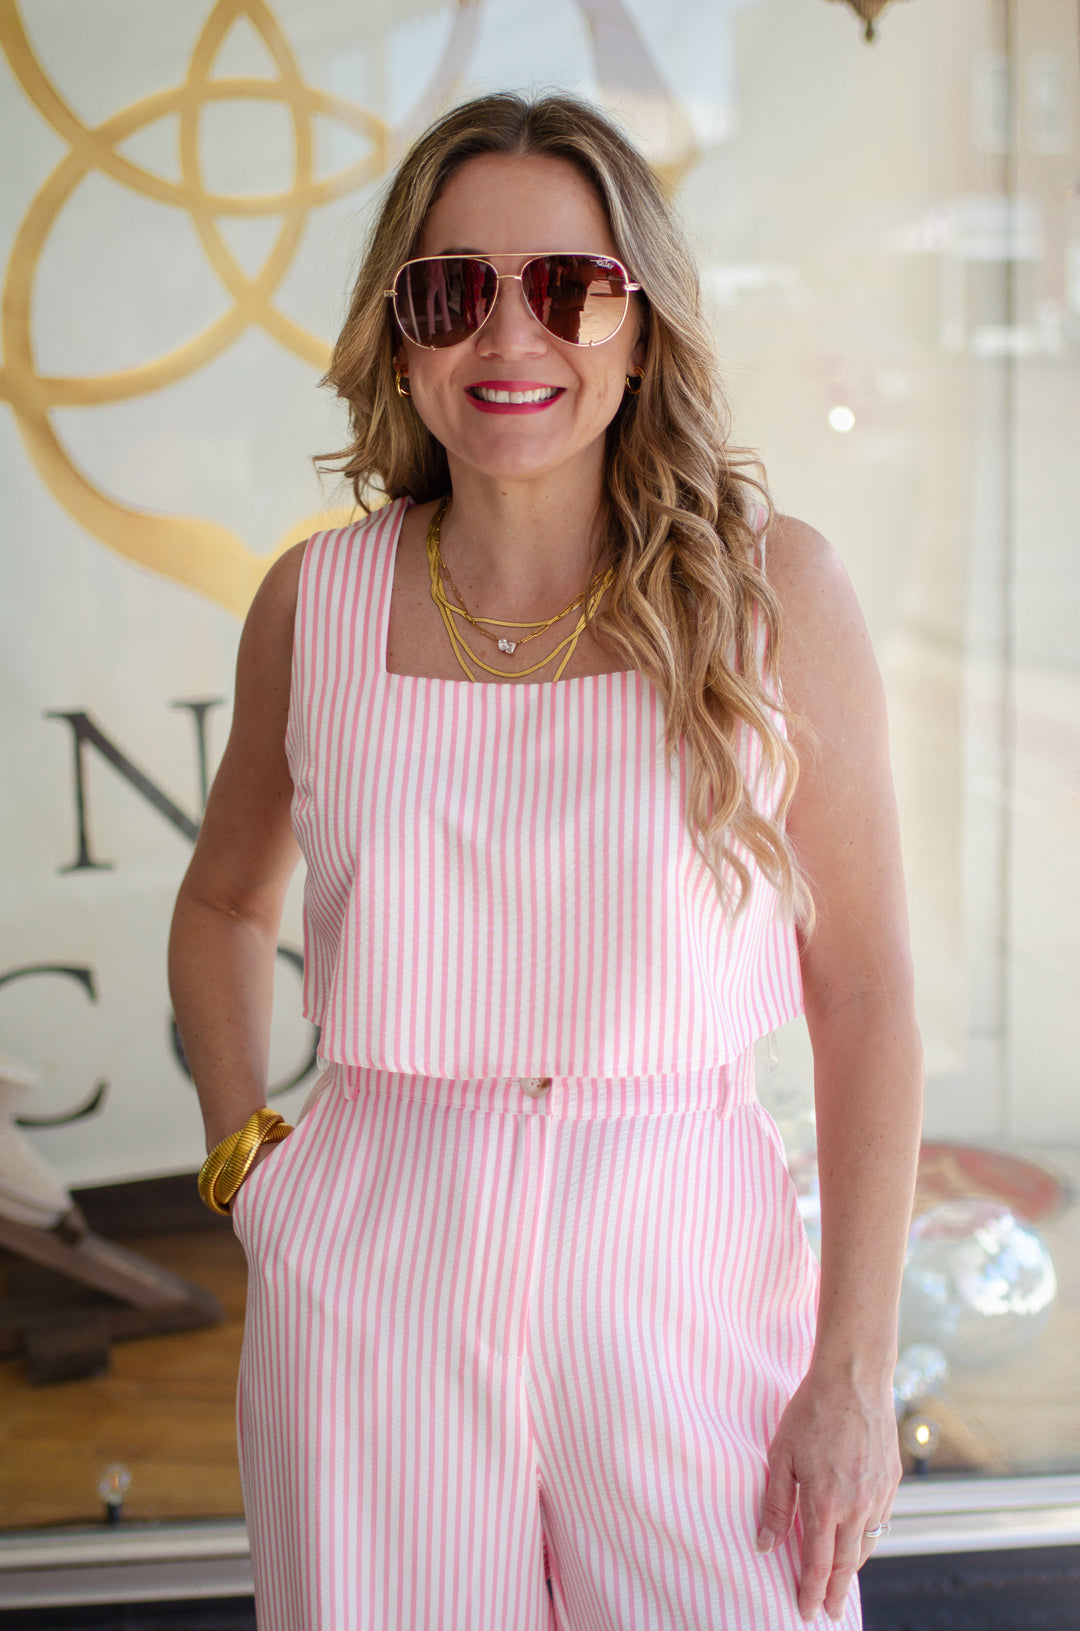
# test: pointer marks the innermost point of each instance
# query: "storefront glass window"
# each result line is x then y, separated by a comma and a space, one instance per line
889, 235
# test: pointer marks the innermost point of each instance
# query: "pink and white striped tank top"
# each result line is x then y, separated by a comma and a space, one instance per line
500, 878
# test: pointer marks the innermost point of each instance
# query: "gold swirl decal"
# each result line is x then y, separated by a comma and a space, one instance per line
200, 553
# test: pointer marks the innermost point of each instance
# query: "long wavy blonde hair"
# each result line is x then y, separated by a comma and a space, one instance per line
689, 606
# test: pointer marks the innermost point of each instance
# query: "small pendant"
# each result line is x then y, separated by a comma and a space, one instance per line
508, 646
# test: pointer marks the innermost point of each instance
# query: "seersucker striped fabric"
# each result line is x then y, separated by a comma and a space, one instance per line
500, 877
528, 1286
492, 1345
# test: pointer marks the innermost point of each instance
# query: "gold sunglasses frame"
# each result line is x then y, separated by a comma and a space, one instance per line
515, 277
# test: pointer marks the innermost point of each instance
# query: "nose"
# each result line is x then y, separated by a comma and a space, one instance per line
511, 329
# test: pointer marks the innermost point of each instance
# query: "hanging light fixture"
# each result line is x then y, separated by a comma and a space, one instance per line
869, 11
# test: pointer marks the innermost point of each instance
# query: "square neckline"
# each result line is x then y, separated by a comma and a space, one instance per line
385, 673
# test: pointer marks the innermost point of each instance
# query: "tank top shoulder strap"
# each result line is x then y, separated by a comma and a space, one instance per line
342, 614
346, 579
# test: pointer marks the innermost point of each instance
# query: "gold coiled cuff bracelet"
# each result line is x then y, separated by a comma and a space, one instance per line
229, 1162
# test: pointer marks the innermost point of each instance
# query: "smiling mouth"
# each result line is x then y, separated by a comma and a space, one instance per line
488, 393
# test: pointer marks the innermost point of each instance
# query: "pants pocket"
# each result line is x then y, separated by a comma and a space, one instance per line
282, 1155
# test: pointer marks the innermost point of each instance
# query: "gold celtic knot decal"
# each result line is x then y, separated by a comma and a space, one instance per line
203, 554
199, 553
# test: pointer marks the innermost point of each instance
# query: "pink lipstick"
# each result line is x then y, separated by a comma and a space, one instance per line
512, 395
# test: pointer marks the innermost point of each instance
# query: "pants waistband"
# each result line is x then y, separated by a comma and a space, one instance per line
720, 1089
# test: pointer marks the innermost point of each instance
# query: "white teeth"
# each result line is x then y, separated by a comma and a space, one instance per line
486, 394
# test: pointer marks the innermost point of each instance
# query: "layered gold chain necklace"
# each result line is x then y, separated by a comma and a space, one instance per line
454, 615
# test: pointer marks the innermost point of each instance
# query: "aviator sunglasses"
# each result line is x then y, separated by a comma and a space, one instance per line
441, 300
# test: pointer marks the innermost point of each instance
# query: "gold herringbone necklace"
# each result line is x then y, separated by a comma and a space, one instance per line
589, 599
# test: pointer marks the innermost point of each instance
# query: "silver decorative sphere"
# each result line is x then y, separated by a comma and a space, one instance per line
921, 1371
978, 1285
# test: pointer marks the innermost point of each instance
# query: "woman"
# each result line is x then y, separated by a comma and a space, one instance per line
533, 1330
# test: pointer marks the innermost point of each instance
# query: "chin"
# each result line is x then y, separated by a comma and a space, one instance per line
524, 462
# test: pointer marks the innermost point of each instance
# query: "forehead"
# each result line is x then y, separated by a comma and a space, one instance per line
500, 203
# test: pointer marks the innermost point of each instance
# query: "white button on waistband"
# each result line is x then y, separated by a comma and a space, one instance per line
534, 1086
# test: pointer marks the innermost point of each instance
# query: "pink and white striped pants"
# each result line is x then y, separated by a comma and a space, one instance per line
513, 1361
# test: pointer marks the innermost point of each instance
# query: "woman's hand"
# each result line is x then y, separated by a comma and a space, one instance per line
835, 1456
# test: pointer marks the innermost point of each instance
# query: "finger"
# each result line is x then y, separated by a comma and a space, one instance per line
847, 1558
778, 1507
875, 1532
816, 1568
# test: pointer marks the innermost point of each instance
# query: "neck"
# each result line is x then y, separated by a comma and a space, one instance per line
520, 547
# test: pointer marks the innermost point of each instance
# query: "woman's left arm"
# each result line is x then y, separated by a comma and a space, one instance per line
835, 1451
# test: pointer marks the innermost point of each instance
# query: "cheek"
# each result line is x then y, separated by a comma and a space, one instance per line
432, 393
607, 390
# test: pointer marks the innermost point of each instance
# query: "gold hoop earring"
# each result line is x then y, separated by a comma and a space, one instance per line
635, 381
399, 376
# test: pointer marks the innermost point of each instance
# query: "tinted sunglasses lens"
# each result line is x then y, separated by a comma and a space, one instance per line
442, 301
580, 298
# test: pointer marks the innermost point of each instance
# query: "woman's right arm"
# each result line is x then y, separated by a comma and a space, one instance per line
224, 931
